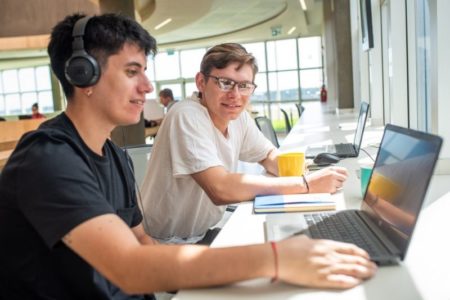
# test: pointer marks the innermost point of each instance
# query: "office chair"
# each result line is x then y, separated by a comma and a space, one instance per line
300, 109
286, 121
140, 155
265, 125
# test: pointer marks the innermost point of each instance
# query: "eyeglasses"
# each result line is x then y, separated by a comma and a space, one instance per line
227, 85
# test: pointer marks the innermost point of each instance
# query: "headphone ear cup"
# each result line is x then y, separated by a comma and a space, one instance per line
82, 70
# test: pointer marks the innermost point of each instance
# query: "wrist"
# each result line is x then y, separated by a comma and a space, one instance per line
305, 183
273, 245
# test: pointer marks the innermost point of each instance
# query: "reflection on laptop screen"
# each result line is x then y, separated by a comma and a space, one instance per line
405, 158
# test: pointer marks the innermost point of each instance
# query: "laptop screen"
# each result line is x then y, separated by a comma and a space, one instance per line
399, 181
360, 126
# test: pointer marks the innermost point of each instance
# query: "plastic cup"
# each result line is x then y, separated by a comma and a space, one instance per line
366, 171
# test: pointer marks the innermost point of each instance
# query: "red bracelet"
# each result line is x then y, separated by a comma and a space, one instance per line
275, 257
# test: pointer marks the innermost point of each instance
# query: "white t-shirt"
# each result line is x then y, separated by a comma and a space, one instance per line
175, 206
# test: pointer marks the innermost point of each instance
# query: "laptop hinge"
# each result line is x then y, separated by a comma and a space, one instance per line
391, 248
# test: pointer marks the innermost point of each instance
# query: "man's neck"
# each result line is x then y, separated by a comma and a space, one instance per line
90, 128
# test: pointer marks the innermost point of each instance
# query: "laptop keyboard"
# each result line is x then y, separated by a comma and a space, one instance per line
345, 149
343, 227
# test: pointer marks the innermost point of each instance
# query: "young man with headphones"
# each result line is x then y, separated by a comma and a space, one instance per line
70, 227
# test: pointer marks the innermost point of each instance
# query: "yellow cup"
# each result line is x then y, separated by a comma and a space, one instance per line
291, 164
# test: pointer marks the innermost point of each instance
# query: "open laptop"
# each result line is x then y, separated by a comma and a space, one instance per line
384, 224
344, 149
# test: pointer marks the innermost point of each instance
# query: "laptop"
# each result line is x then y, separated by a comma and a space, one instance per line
344, 149
384, 224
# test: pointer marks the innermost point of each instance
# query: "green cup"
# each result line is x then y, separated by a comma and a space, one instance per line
366, 171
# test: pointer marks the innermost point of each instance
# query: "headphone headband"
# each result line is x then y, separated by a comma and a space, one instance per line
78, 33
81, 69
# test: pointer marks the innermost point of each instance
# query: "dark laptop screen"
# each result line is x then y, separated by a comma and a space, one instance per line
360, 126
399, 181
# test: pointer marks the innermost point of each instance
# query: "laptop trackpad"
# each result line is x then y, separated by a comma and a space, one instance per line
281, 226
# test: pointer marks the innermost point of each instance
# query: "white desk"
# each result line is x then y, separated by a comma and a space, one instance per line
425, 274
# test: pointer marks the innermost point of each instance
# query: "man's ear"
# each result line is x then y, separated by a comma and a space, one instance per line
200, 81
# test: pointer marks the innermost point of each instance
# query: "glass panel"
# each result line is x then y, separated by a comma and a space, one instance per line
176, 90
423, 53
150, 68
2, 106
28, 99
26, 80
167, 66
282, 55
311, 81
12, 104
45, 102
189, 88
258, 51
310, 52
10, 81
1, 82
260, 93
283, 86
190, 62
43, 78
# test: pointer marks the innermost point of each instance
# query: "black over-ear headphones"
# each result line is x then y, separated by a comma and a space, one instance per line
81, 69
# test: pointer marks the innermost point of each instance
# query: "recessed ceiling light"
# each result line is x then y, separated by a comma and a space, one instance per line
303, 5
163, 23
291, 30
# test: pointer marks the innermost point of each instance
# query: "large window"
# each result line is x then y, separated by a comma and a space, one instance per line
20, 88
289, 71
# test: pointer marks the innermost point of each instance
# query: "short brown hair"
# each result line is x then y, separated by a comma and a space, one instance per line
166, 93
222, 55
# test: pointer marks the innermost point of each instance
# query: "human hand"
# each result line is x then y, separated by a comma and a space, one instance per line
322, 263
327, 180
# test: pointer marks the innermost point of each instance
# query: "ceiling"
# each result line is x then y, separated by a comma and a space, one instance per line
206, 22
195, 23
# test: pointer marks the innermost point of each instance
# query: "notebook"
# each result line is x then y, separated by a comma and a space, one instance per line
344, 149
384, 224
293, 203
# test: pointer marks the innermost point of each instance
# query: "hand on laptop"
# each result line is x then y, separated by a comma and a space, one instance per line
323, 263
327, 180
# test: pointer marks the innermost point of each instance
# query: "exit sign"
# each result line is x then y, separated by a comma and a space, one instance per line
276, 30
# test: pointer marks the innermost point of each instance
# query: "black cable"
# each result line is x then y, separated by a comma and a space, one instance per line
367, 153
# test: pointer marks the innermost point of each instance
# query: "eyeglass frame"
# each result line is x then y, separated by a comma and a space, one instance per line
234, 83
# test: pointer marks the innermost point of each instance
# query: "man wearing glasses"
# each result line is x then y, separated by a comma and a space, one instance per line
192, 171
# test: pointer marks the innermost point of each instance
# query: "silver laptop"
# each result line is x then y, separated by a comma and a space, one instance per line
384, 224
344, 149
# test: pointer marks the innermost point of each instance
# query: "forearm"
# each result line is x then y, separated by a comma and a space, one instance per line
162, 268
236, 187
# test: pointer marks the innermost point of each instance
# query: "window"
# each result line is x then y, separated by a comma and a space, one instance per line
423, 62
167, 65
190, 62
282, 55
20, 88
289, 71
310, 52
258, 51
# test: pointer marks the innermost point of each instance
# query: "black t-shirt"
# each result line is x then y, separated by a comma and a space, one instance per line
52, 183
